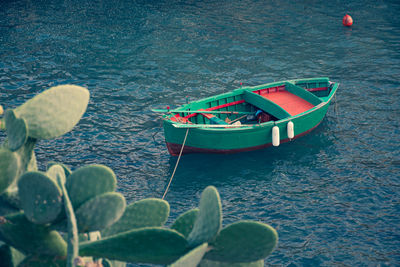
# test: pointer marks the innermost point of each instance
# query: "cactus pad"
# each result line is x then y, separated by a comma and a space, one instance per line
40, 197
66, 169
192, 258
10, 256
88, 182
17, 130
9, 165
143, 213
54, 112
145, 245
209, 220
184, 223
244, 241
31, 238
54, 171
208, 263
100, 212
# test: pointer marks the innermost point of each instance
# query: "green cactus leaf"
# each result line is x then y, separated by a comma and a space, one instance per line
9, 165
100, 212
143, 213
208, 263
30, 238
56, 170
72, 239
88, 182
67, 170
9, 256
40, 196
6, 208
184, 223
209, 219
27, 156
145, 245
17, 130
243, 241
55, 111
192, 258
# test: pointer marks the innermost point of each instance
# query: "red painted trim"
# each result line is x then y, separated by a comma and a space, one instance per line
274, 89
178, 118
217, 107
174, 149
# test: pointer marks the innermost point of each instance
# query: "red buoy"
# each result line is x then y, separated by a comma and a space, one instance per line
347, 20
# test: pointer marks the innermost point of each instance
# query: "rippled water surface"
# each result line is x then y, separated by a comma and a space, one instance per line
333, 195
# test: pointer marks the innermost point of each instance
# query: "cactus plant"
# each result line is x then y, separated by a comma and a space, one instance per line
67, 170
31, 238
55, 111
184, 223
192, 258
40, 197
100, 212
209, 220
9, 165
73, 246
144, 245
243, 241
10, 256
88, 182
17, 130
85, 201
142, 213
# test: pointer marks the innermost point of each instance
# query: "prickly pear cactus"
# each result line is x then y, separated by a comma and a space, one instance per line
192, 258
72, 238
143, 213
100, 212
10, 256
55, 111
40, 197
30, 238
88, 182
9, 165
85, 199
17, 130
145, 245
209, 220
67, 170
244, 241
185, 222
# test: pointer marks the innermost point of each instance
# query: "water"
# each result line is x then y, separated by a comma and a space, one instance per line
333, 195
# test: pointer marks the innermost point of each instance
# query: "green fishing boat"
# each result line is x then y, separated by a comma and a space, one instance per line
248, 118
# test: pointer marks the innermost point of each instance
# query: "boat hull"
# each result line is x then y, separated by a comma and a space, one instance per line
240, 139
233, 140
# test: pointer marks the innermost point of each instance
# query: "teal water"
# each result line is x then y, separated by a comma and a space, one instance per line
333, 195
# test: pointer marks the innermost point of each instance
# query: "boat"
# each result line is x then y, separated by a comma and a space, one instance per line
248, 118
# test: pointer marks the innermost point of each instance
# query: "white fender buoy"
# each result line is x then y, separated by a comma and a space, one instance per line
290, 130
275, 136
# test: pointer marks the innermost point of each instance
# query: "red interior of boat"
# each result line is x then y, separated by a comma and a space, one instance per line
291, 103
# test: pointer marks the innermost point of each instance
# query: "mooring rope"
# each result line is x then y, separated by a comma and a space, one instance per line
177, 162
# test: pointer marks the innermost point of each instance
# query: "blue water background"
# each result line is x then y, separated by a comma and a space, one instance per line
333, 195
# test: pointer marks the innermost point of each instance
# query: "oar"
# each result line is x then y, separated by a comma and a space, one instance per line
179, 125
200, 111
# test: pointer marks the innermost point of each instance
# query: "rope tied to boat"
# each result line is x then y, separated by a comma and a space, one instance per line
176, 165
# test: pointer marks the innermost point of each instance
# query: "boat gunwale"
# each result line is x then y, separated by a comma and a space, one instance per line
207, 127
